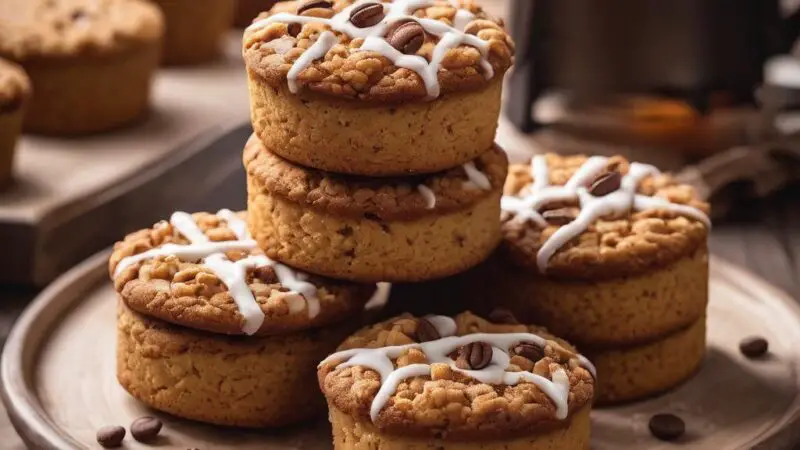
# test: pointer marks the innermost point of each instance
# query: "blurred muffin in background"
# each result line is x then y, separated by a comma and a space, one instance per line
90, 61
195, 29
15, 90
247, 10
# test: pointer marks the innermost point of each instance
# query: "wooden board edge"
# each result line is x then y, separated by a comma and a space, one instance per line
24, 344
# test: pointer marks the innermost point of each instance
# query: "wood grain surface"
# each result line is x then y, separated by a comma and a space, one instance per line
58, 377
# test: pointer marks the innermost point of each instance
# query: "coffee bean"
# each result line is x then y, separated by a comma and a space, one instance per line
561, 216
667, 427
605, 184
407, 37
528, 350
474, 356
313, 4
110, 436
503, 316
367, 15
295, 29
754, 347
426, 331
145, 429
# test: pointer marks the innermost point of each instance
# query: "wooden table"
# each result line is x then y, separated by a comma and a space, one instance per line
763, 236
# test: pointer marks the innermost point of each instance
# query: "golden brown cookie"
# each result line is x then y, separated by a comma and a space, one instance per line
607, 253
203, 271
636, 372
398, 88
15, 90
462, 383
224, 380
368, 230
195, 29
90, 61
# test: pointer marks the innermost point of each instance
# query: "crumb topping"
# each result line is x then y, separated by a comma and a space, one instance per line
443, 399
185, 291
630, 242
51, 28
366, 50
381, 199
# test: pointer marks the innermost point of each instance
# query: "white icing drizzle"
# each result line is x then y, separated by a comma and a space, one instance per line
526, 208
232, 273
380, 296
428, 195
375, 41
476, 177
380, 360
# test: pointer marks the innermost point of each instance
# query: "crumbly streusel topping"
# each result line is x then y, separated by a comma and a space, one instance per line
191, 294
630, 244
270, 52
52, 28
448, 403
14, 85
379, 199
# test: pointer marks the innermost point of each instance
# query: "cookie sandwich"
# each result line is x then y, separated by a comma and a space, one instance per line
613, 256
211, 329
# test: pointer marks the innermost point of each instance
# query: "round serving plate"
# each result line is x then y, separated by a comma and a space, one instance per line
59, 385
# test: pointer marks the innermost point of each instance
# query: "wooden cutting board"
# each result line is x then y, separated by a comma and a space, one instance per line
73, 197
59, 386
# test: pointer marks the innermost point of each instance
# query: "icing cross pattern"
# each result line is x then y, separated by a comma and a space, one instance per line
624, 199
438, 351
233, 273
374, 40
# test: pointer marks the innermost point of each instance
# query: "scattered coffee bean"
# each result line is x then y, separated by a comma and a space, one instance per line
474, 356
426, 331
754, 347
407, 37
145, 429
605, 184
313, 4
667, 427
367, 15
559, 217
111, 436
503, 316
528, 350
295, 29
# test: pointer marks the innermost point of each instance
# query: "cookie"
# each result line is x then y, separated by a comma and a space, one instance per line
15, 91
90, 61
195, 29
204, 272
369, 230
457, 383
377, 89
224, 380
641, 371
605, 252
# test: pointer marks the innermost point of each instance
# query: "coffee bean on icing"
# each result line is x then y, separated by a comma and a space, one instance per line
313, 4
407, 38
110, 436
145, 429
561, 216
474, 356
754, 347
667, 427
528, 350
606, 183
367, 15
426, 331
503, 316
